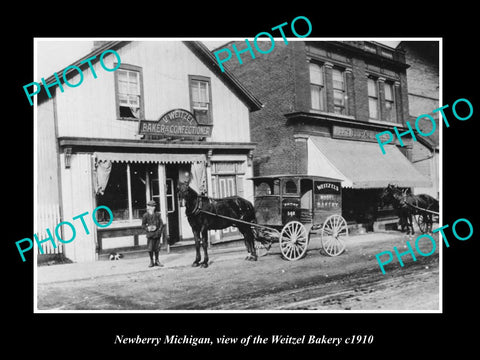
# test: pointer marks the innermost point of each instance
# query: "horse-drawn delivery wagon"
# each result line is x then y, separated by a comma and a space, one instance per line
292, 208
287, 208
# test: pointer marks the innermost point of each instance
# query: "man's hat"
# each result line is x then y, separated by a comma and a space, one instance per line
151, 203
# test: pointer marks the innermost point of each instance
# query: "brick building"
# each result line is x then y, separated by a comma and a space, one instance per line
324, 102
423, 97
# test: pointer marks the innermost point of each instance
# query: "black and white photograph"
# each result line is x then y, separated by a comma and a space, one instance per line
292, 182
238, 175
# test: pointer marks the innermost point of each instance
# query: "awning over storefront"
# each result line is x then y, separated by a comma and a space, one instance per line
362, 164
150, 158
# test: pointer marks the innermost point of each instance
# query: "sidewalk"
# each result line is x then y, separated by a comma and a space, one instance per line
91, 270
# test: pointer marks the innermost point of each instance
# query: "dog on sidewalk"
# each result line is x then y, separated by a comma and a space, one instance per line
115, 256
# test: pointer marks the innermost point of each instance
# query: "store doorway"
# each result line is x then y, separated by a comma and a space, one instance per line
171, 182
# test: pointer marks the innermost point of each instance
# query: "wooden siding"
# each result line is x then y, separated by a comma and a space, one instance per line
78, 198
89, 110
47, 204
46, 156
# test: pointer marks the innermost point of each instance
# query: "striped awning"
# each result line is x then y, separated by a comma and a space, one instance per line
361, 165
150, 158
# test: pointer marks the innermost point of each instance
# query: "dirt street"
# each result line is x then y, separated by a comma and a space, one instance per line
352, 281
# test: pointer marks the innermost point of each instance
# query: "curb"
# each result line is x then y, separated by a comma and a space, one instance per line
86, 271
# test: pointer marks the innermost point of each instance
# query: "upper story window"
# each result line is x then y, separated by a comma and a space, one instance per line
129, 92
339, 91
372, 98
317, 86
390, 111
200, 98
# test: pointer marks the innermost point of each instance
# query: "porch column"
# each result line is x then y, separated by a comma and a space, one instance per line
162, 183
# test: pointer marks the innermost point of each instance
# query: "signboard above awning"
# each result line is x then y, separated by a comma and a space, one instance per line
361, 164
175, 123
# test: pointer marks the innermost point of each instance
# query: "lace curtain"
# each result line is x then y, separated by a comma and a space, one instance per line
102, 175
199, 178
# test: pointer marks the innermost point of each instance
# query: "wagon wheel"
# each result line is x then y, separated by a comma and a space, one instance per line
333, 230
293, 240
422, 223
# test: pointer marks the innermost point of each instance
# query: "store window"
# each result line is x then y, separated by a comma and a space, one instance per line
200, 98
317, 86
227, 178
339, 91
129, 187
129, 89
372, 98
390, 111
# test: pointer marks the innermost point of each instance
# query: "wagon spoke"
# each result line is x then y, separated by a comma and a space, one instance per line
302, 240
295, 248
298, 230
326, 247
288, 232
284, 244
330, 244
334, 226
291, 250
328, 231
338, 223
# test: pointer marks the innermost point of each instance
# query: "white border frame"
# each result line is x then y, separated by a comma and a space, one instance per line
35, 283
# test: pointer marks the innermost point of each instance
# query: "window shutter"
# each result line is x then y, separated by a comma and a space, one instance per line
239, 181
214, 187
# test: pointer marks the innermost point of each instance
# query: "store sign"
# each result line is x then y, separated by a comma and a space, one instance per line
341, 132
326, 187
175, 123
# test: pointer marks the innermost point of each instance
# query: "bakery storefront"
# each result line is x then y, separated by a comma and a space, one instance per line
125, 175
131, 135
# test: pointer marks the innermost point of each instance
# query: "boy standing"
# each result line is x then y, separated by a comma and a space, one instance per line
152, 223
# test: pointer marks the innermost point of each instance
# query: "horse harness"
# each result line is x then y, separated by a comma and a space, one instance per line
404, 202
198, 208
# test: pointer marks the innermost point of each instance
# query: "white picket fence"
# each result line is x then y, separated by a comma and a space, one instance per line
48, 216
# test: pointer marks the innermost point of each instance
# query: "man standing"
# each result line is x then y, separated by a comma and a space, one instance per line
152, 223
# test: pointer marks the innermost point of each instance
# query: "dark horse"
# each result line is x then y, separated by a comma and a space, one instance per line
233, 207
407, 205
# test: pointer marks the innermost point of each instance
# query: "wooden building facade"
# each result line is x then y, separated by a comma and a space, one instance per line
128, 136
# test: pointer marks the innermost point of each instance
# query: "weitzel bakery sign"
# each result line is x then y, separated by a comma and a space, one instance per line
175, 123
341, 132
